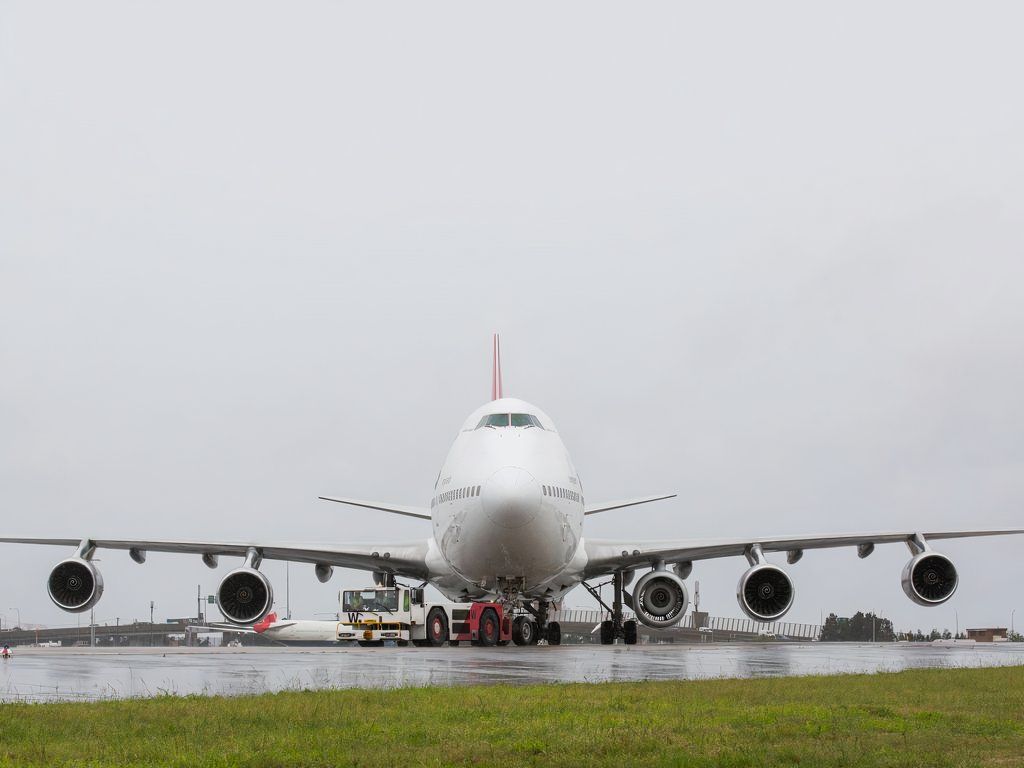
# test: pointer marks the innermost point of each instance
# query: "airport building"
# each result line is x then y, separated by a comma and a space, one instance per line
988, 634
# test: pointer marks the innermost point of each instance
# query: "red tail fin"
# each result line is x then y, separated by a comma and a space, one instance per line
496, 393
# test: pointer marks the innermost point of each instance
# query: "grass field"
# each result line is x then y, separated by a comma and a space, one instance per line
955, 717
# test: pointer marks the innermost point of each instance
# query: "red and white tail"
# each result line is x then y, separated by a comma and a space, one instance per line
263, 624
496, 393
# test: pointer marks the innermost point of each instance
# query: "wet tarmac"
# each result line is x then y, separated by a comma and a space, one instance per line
48, 674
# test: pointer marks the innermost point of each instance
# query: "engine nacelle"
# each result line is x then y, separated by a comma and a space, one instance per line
245, 596
75, 585
929, 578
765, 592
660, 599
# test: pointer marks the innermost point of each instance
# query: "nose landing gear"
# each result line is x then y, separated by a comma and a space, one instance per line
524, 631
527, 631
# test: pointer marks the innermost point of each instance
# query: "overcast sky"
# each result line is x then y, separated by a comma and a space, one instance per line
768, 256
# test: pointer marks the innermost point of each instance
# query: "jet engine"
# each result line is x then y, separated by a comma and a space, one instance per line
75, 585
245, 596
660, 599
765, 592
929, 578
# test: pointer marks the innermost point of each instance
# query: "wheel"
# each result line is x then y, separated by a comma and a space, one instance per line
489, 628
524, 631
607, 633
437, 627
370, 643
554, 633
629, 632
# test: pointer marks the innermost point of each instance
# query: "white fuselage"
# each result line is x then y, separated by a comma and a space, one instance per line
507, 510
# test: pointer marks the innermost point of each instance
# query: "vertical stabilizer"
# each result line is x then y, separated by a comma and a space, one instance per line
496, 393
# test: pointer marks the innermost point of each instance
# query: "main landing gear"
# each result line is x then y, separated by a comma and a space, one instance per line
615, 627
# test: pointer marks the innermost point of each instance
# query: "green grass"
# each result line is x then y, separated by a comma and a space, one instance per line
954, 717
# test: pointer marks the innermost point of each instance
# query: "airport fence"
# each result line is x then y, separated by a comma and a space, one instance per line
778, 628
714, 623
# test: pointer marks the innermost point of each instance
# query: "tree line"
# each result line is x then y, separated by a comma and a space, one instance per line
861, 627
858, 628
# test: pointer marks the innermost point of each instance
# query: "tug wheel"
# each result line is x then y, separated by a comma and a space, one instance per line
489, 628
437, 627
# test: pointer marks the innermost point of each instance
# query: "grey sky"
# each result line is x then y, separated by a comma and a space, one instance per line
770, 257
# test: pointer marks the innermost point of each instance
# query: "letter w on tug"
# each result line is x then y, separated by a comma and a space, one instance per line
506, 545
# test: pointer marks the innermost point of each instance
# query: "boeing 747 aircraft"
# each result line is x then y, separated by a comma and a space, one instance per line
507, 514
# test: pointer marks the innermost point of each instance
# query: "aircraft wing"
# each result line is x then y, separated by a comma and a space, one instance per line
593, 509
407, 559
397, 509
606, 556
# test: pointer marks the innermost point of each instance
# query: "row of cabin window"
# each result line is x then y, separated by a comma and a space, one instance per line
561, 493
458, 493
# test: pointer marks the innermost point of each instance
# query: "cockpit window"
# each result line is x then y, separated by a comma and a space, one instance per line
509, 419
524, 420
494, 420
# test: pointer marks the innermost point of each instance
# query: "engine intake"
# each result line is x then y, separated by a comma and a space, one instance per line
660, 599
75, 585
765, 592
245, 596
929, 578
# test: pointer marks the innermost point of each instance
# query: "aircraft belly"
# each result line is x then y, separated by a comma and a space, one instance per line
531, 554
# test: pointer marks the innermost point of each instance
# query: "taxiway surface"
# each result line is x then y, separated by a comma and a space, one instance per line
48, 674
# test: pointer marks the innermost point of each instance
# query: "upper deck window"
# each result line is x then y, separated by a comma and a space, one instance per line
509, 419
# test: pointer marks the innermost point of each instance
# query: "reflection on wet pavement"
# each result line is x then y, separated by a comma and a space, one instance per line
47, 674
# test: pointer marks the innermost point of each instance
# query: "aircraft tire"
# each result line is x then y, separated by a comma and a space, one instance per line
607, 633
554, 633
629, 631
523, 630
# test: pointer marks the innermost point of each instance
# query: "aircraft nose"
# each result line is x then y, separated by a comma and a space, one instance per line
511, 497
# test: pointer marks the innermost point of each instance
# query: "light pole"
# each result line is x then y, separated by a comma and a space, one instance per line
1011, 621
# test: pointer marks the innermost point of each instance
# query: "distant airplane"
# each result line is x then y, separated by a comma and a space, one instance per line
507, 515
292, 632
